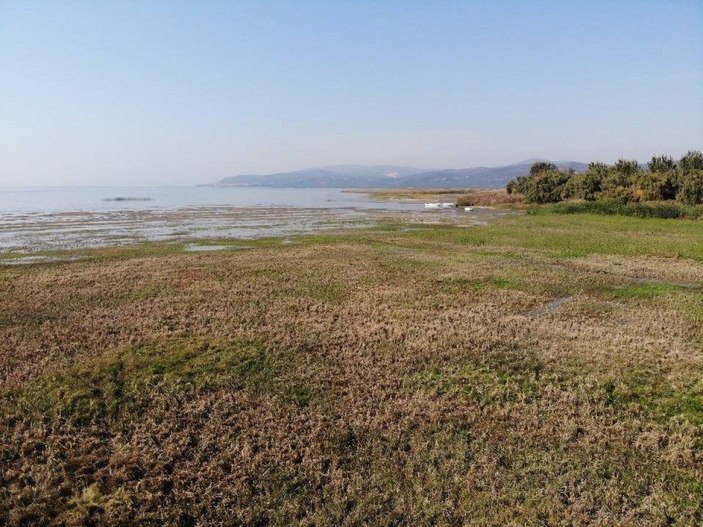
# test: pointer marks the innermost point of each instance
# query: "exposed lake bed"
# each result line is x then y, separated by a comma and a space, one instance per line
91, 218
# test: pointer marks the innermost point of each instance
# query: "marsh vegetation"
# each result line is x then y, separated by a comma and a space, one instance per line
541, 370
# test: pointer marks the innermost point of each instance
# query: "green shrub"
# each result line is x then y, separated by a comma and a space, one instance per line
583, 186
661, 164
626, 167
597, 167
620, 176
519, 185
653, 186
691, 162
614, 180
541, 166
691, 191
623, 183
546, 187
619, 194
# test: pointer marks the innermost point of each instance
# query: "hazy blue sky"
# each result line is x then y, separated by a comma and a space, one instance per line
159, 92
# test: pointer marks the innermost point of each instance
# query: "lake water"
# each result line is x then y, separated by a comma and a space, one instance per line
98, 199
34, 219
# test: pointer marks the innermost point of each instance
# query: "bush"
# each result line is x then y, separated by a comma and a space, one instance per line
691, 191
519, 185
546, 187
620, 176
583, 186
691, 162
618, 185
614, 180
653, 186
626, 167
619, 195
661, 164
541, 166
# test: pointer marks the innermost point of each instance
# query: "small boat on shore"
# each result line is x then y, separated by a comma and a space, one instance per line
468, 209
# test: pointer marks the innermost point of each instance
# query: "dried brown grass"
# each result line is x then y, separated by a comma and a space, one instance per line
395, 380
487, 198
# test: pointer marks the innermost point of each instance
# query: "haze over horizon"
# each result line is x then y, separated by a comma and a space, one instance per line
181, 93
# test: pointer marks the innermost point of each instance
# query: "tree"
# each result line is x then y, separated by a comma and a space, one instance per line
627, 167
691, 191
541, 166
546, 186
653, 186
661, 164
614, 179
623, 182
689, 164
693, 160
597, 166
618, 195
585, 186
620, 176
518, 185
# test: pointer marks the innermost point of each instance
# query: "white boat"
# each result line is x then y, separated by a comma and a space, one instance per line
468, 209
448, 205
432, 205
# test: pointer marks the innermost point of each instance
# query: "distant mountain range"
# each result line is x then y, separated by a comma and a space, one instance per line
391, 176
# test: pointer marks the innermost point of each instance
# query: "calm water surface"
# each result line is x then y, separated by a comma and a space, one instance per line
95, 199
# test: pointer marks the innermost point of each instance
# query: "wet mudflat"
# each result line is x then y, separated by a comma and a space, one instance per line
50, 231
70, 230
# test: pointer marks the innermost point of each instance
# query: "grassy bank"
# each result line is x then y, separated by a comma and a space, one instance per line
541, 370
661, 209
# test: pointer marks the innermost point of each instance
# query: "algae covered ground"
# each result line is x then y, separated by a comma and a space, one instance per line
539, 370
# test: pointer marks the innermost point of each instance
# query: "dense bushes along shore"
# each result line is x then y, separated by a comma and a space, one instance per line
624, 182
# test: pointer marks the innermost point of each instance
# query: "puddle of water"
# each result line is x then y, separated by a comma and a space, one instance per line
549, 307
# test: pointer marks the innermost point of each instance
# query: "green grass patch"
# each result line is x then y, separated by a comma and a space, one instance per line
484, 385
575, 235
649, 390
318, 287
665, 210
503, 283
118, 380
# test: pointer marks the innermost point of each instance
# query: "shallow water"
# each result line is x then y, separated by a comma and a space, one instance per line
69, 218
97, 199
